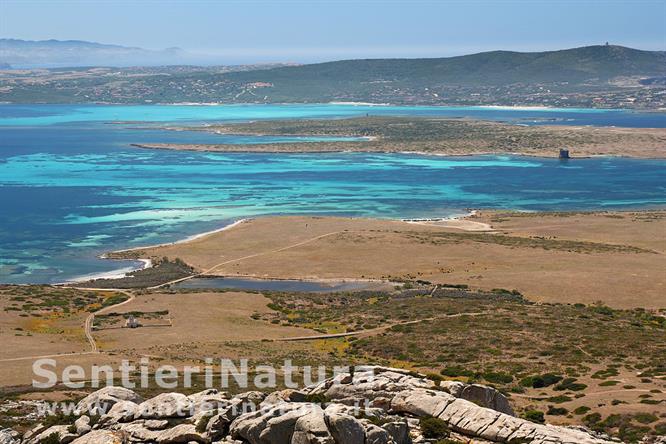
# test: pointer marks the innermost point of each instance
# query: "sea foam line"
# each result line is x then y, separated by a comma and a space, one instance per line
181, 241
146, 263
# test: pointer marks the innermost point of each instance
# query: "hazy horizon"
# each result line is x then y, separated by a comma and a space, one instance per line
257, 31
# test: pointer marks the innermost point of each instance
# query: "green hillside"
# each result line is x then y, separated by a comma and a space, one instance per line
593, 76
576, 65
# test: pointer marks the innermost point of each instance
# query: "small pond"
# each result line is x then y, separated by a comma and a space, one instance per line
274, 284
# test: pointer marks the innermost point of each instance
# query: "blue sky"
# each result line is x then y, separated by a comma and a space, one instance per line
303, 31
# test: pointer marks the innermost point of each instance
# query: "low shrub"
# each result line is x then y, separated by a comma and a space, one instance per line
645, 418
583, 409
559, 399
540, 381
570, 384
434, 428
498, 377
557, 411
455, 371
535, 416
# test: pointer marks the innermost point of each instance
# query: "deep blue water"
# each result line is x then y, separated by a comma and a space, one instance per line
73, 189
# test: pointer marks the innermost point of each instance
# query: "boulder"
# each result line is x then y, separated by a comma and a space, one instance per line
485, 397
156, 424
165, 405
7, 436
376, 435
182, 433
217, 427
62, 431
311, 429
421, 402
280, 428
122, 411
102, 400
208, 400
399, 431
288, 395
100, 437
138, 432
369, 383
82, 425
252, 398
344, 428
256, 426
469, 419
36, 430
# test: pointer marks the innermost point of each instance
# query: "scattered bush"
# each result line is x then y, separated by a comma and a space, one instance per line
53, 438
202, 423
660, 428
591, 419
570, 384
535, 416
455, 371
498, 377
645, 418
583, 409
59, 419
557, 411
540, 381
559, 399
434, 428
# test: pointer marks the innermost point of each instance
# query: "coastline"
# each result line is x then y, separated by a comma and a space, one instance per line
121, 273
483, 244
456, 221
262, 149
483, 249
112, 274
180, 241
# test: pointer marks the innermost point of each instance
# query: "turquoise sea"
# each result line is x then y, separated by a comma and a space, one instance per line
72, 188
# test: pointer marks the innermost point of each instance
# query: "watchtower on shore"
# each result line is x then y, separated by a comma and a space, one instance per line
564, 154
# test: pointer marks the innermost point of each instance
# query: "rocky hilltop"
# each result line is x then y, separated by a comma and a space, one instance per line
371, 405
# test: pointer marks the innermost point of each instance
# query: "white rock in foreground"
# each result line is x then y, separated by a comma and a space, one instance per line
374, 405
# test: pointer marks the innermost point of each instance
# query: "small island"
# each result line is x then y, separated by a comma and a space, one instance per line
441, 136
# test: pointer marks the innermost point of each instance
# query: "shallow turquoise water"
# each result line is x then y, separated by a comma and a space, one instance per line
35, 115
71, 191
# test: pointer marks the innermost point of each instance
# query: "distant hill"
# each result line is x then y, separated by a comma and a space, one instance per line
586, 64
594, 76
59, 53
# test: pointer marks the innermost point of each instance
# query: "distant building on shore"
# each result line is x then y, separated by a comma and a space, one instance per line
564, 154
131, 322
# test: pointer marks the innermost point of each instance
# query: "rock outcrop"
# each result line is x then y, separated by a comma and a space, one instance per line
103, 399
372, 405
7, 436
